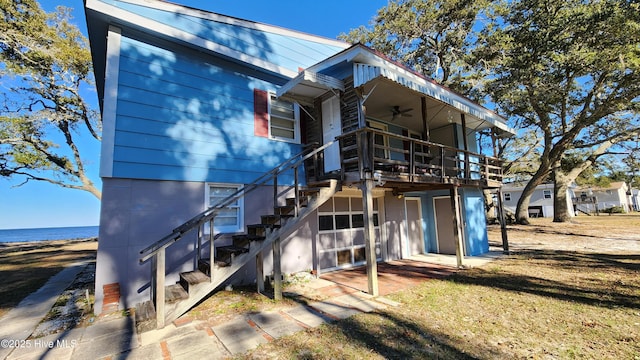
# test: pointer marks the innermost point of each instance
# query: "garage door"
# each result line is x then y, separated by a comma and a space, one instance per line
341, 233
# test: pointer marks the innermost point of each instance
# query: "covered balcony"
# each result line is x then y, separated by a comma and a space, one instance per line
409, 164
389, 121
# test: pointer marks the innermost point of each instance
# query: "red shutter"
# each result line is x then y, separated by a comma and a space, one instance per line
260, 113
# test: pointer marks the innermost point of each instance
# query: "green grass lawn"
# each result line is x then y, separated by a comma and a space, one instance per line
534, 304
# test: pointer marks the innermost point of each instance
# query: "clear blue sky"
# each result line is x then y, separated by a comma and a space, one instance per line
43, 205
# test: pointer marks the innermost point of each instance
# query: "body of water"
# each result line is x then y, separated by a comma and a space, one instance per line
41, 234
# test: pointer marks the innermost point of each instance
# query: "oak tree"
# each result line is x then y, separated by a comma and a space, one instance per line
570, 70
45, 64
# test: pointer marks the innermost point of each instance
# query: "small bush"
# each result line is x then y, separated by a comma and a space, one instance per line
613, 210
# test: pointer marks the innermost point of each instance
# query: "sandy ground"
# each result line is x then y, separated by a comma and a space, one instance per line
602, 234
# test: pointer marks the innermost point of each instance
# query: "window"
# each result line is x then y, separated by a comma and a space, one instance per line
507, 196
229, 219
380, 142
284, 120
546, 194
341, 237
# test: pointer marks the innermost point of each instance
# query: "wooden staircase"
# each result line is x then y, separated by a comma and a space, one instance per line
168, 302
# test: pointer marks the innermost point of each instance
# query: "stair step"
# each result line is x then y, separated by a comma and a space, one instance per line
174, 293
262, 226
247, 237
290, 201
270, 219
245, 240
275, 219
310, 191
145, 317
223, 251
192, 278
283, 210
260, 229
203, 265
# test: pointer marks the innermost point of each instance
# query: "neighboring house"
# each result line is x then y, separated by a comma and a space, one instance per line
371, 161
617, 194
541, 203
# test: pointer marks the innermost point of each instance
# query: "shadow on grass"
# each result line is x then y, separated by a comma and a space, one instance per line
394, 337
594, 279
550, 230
384, 333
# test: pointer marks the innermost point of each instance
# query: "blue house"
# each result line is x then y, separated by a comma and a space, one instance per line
234, 151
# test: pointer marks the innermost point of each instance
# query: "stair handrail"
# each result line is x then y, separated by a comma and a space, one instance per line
191, 224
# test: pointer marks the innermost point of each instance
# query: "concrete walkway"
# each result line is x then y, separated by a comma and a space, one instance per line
114, 337
21, 321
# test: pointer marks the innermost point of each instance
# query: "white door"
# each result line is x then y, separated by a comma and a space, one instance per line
331, 127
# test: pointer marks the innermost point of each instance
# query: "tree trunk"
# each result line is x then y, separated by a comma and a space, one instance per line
489, 206
562, 180
560, 206
522, 209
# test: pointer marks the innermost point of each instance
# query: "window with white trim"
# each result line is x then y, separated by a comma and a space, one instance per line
546, 194
284, 120
231, 218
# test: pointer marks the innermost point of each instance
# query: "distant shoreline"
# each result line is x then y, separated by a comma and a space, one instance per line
48, 234
47, 242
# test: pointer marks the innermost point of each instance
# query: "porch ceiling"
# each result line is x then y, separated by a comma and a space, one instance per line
387, 96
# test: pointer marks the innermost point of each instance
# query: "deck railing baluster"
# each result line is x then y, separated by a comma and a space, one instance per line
212, 250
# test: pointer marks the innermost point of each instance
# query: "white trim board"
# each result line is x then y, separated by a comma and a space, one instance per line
110, 101
136, 20
221, 18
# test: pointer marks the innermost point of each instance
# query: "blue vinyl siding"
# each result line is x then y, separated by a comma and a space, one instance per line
181, 118
287, 51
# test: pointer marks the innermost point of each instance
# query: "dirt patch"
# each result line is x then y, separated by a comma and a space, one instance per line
601, 234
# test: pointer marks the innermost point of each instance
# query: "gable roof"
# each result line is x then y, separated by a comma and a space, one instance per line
615, 185
519, 186
268, 48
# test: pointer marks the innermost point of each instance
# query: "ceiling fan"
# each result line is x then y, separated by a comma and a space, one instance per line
396, 112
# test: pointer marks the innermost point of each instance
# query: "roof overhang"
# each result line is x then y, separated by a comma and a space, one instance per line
364, 74
370, 67
307, 86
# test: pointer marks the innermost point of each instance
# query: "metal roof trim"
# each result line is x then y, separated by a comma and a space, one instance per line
364, 73
309, 81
